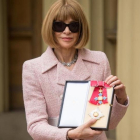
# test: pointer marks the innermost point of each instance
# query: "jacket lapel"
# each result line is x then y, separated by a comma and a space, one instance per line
79, 72
48, 60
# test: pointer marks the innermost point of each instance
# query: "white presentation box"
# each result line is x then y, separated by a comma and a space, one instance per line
83, 100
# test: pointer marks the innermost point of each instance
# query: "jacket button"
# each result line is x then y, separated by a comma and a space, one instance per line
61, 96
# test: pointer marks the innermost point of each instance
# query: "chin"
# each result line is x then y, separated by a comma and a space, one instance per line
66, 46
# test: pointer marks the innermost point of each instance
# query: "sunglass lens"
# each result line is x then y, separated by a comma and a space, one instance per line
58, 26
74, 27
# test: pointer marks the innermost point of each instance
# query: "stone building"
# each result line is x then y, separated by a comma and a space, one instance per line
114, 29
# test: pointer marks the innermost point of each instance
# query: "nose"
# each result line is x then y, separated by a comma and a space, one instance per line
67, 30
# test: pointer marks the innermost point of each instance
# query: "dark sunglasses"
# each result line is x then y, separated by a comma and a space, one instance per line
59, 26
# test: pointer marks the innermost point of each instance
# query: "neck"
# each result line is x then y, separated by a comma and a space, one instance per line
65, 55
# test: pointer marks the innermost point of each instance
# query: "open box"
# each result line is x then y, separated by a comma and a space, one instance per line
83, 100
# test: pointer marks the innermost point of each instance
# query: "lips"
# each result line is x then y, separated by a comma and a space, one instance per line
67, 38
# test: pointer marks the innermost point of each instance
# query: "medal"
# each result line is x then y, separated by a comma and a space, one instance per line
96, 114
99, 95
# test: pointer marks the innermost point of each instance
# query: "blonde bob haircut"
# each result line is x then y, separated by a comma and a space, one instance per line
61, 10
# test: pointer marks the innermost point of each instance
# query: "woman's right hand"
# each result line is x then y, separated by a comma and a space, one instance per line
84, 131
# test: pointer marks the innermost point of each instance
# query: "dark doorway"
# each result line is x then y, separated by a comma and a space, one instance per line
24, 43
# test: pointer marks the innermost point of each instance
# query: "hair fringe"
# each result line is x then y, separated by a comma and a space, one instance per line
63, 2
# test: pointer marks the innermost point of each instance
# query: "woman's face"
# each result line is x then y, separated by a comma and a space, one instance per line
66, 39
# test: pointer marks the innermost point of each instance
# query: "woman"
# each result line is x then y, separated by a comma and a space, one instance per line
65, 30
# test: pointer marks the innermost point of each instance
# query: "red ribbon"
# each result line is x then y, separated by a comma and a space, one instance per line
99, 95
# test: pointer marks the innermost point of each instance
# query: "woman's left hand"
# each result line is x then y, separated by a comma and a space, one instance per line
119, 88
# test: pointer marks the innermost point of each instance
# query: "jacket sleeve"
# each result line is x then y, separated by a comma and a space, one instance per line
118, 110
35, 108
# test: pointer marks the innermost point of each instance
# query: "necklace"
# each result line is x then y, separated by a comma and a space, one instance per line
72, 62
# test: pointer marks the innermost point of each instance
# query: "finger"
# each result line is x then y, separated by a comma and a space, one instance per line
108, 78
121, 86
98, 132
95, 132
111, 80
90, 123
115, 83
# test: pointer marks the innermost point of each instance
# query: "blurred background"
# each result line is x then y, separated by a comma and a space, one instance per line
114, 29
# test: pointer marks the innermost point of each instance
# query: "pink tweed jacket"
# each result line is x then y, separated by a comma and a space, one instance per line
43, 83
